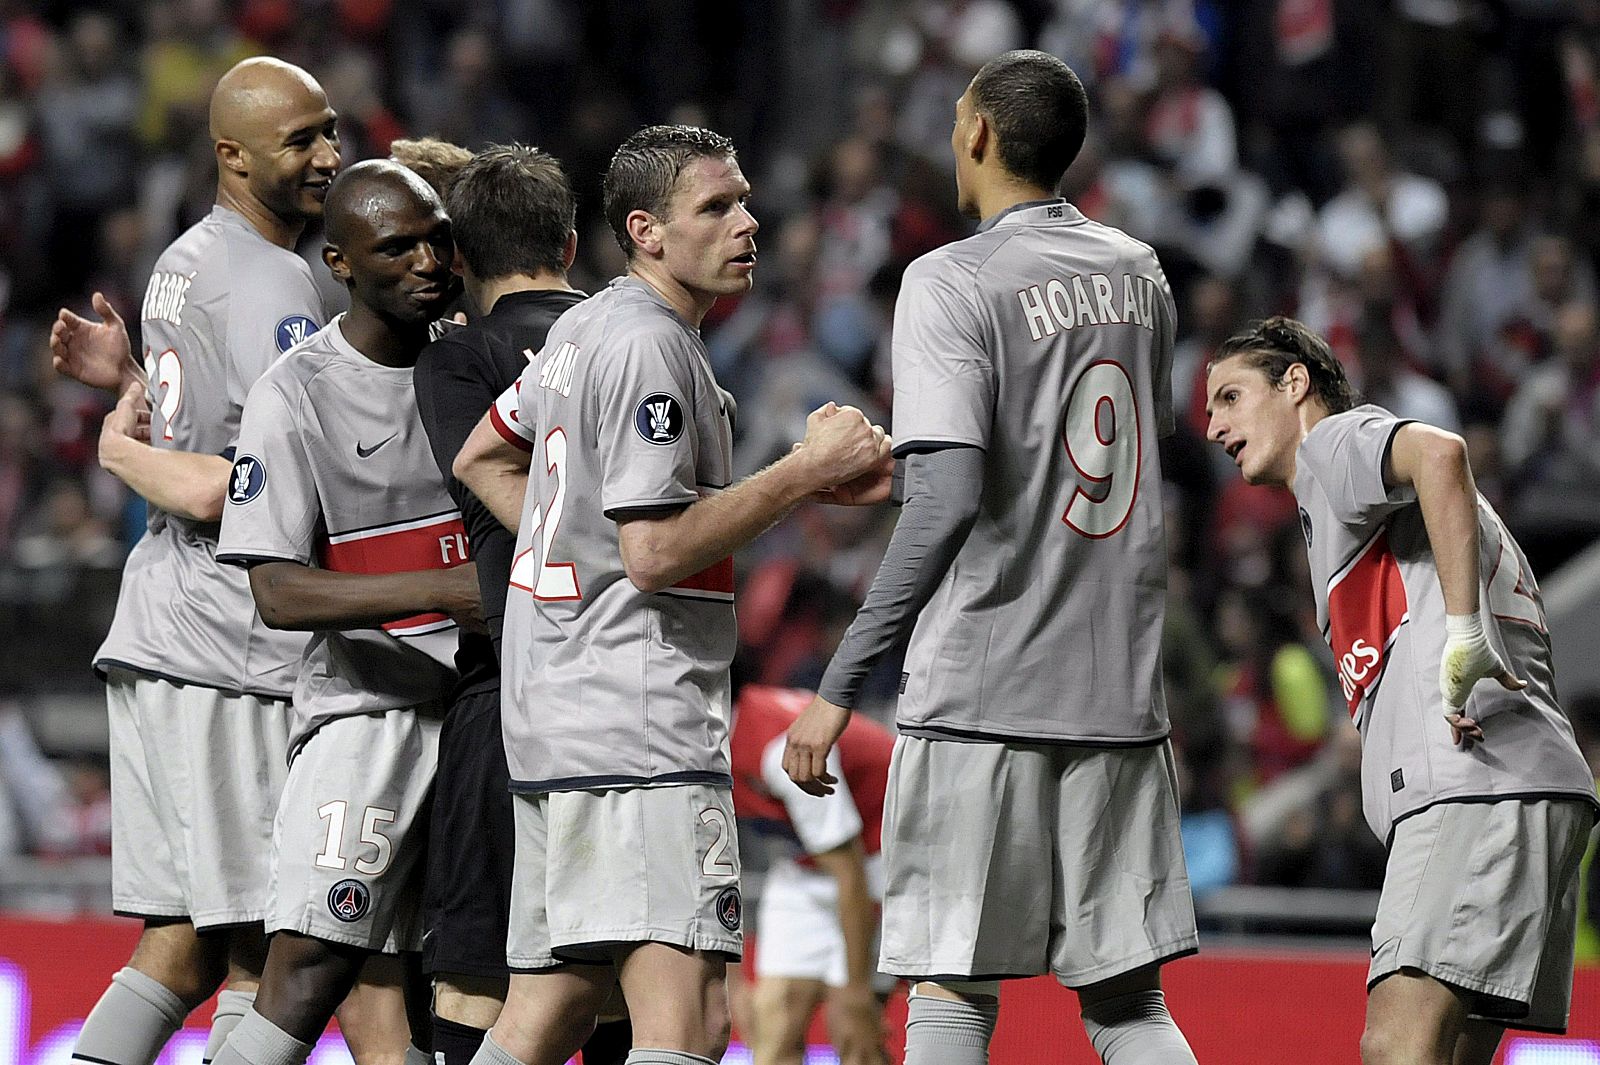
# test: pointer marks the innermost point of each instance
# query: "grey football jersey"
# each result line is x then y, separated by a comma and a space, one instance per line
223, 304
1382, 611
1045, 340
334, 470
604, 685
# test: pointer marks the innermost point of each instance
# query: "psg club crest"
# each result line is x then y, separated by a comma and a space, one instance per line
292, 330
349, 900
248, 479
659, 419
729, 908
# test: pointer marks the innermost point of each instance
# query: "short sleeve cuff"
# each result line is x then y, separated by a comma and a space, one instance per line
668, 502
510, 429
246, 559
932, 442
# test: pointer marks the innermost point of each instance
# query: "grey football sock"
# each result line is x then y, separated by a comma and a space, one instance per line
130, 1024
943, 1032
417, 1057
1136, 1029
231, 1008
492, 1053
646, 1056
257, 1041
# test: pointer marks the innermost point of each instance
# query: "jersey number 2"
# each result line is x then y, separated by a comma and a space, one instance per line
1102, 437
165, 372
714, 863
556, 581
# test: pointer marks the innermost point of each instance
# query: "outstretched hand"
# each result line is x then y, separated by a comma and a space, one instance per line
96, 353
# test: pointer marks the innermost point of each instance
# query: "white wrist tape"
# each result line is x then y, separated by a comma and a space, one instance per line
1463, 628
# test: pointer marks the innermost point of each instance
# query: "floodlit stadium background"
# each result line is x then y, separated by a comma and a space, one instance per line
1248, 140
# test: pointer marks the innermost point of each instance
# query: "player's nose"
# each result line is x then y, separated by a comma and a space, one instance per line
748, 226
326, 159
424, 259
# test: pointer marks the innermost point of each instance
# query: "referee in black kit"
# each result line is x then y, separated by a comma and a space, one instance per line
511, 211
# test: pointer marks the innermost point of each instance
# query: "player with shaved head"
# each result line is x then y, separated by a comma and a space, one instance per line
337, 510
197, 687
267, 122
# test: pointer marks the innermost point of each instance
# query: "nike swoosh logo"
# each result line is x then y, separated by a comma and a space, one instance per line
365, 452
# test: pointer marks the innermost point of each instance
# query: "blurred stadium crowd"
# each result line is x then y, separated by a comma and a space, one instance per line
1419, 180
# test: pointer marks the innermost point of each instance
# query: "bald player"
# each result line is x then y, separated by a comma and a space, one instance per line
438, 163
1032, 819
342, 518
197, 687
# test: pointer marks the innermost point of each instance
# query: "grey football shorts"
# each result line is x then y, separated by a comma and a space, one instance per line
352, 831
599, 869
195, 780
1484, 896
1009, 860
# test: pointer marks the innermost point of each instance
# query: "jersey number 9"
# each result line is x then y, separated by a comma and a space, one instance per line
1101, 435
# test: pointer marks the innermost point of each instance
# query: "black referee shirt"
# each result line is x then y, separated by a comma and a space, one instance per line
458, 377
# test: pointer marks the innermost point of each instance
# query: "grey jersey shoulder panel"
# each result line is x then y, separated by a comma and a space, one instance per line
604, 685
1382, 611
222, 304
1045, 340
334, 470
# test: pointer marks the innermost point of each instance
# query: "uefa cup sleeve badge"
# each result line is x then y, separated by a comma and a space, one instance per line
659, 419
249, 478
659, 425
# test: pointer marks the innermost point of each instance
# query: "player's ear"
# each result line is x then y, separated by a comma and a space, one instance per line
1297, 381
570, 252
981, 137
232, 155
337, 266
644, 229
